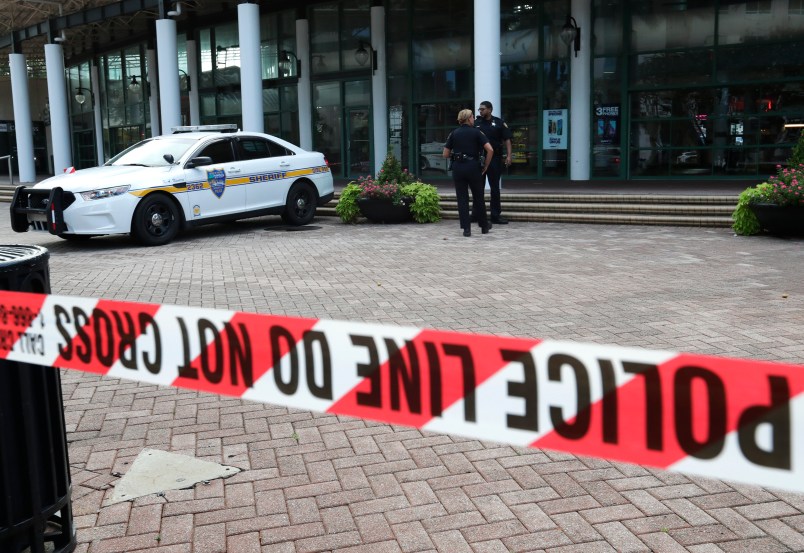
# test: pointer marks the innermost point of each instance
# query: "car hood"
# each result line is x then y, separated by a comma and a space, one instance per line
107, 176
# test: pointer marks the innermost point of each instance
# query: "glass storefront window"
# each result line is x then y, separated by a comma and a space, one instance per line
324, 38
328, 123
435, 122
668, 68
750, 22
608, 27
227, 55
659, 25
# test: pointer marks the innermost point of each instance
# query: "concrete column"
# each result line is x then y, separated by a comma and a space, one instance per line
23, 125
248, 26
192, 72
303, 87
379, 94
96, 108
59, 118
150, 86
168, 59
581, 95
487, 54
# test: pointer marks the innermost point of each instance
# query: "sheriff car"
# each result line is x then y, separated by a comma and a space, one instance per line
197, 175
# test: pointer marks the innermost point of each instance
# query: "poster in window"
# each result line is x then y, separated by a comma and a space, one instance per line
555, 129
607, 124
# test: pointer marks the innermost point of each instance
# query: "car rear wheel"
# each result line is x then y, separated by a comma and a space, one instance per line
300, 206
156, 220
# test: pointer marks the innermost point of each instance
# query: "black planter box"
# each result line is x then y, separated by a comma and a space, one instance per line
781, 220
384, 211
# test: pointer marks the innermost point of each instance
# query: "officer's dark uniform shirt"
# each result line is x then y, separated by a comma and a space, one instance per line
497, 132
466, 140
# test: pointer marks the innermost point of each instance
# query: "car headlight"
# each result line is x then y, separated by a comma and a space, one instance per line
102, 193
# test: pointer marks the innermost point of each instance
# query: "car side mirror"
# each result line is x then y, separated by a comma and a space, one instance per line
168, 158
199, 162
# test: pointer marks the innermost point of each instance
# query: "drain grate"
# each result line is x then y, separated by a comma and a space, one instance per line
291, 228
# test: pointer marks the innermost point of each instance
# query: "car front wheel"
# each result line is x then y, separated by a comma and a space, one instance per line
156, 221
300, 206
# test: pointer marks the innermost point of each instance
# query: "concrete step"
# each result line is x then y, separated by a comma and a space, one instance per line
621, 209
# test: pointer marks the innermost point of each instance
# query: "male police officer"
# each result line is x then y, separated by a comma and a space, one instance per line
463, 147
499, 135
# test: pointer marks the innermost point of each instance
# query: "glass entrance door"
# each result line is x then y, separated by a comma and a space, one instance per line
358, 143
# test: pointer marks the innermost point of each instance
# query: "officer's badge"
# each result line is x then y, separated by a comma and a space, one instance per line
217, 181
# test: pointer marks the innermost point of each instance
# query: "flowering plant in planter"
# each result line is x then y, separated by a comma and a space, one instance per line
785, 189
395, 184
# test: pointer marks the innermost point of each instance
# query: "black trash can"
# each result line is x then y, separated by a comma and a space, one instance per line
35, 510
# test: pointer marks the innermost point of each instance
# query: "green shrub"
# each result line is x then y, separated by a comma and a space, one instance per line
745, 222
797, 155
347, 208
426, 206
394, 183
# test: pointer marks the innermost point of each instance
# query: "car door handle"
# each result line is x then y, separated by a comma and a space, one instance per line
234, 170
284, 164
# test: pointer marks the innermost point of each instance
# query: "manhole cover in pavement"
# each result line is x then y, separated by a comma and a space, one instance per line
156, 471
290, 228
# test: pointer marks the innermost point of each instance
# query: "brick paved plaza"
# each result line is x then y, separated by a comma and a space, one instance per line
314, 482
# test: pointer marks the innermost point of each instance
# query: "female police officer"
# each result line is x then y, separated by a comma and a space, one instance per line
463, 147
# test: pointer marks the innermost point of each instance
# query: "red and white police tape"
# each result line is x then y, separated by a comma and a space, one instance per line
726, 418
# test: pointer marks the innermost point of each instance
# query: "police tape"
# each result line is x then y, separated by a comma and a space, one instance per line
734, 419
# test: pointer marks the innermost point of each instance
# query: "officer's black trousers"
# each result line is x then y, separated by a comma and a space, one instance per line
494, 173
467, 177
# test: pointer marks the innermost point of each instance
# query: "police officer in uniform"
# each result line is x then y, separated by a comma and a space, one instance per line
499, 136
463, 147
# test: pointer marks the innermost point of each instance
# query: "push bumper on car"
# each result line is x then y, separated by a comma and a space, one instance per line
40, 209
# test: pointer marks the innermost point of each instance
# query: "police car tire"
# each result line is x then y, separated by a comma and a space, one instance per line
300, 206
143, 226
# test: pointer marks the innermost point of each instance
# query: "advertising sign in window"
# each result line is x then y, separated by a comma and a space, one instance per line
607, 124
555, 129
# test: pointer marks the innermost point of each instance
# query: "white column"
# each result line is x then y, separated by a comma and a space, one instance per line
168, 59
304, 88
192, 72
59, 118
150, 86
22, 117
379, 94
248, 26
95, 84
487, 54
580, 95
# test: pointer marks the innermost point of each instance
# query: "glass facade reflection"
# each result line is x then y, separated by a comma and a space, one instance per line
708, 89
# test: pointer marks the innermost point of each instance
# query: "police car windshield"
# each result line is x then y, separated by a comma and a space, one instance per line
151, 153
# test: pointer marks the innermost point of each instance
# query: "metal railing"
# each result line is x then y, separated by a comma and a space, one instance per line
10, 171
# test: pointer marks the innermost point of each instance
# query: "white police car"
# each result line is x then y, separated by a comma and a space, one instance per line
197, 175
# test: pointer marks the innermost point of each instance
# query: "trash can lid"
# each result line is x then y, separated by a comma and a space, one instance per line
13, 255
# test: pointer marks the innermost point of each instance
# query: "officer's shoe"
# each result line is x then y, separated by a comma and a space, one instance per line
500, 220
486, 229
467, 232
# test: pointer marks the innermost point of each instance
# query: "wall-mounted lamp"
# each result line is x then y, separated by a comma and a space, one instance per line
570, 32
362, 55
134, 85
80, 97
186, 79
285, 63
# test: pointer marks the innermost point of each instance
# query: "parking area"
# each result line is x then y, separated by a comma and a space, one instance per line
313, 482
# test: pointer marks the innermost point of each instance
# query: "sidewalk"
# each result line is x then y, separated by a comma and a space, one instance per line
314, 482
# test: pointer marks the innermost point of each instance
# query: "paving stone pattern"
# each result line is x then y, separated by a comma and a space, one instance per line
314, 482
